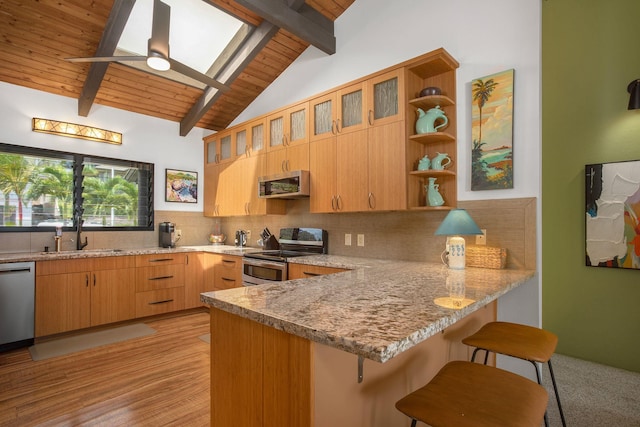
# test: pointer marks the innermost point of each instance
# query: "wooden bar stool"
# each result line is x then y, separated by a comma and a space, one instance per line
519, 341
470, 394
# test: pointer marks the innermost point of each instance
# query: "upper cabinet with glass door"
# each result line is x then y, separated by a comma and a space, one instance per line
220, 147
386, 100
338, 112
288, 127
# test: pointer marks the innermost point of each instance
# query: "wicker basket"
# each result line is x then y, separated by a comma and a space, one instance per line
486, 257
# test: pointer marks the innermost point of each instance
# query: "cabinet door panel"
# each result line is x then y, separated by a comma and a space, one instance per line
386, 102
387, 174
322, 167
351, 168
112, 296
62, 303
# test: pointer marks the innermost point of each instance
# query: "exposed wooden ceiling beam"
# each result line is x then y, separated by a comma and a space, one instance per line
113, 30
254, 44
306, 23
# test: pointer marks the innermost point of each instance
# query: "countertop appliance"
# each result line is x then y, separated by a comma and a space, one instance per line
17, 303
271, 265
167, 235
241, 238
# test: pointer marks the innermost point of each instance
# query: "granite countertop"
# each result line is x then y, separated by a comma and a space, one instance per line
96, 253
377, 310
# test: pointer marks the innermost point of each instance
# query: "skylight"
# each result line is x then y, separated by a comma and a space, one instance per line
199, 32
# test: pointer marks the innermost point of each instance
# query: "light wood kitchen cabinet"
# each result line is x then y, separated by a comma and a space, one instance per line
227, 271
80, 293
220, 147
360, 163
288, 139
193, 279
159, 283
302, 271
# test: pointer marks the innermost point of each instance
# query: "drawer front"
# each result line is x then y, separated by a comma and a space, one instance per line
160, 301
223, 281
159, 277
160, 259
230, 267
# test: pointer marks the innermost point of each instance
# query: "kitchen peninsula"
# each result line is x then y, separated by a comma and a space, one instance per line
340, 349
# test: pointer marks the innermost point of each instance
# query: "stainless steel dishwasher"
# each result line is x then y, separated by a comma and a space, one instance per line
17, 301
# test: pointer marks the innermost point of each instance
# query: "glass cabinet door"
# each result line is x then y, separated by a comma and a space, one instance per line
323, 117
276, 132
297, 126
257, 137
212, 152
387, 98
225, 148
352, 109
241, 143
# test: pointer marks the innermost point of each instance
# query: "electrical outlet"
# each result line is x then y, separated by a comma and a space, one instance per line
178, 232
347, 239
360, 239
481, 239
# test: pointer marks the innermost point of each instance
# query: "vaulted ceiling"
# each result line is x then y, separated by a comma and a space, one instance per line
37, 36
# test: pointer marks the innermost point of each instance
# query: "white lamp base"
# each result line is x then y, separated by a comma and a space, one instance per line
456, 253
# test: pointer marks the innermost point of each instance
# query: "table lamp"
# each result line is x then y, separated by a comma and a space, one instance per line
456, 222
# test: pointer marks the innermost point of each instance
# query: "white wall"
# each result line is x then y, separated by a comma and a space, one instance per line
144, 139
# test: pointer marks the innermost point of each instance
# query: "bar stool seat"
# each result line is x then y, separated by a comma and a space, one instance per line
520, 341
470, 394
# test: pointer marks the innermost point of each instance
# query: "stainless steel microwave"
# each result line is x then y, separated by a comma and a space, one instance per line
288, 185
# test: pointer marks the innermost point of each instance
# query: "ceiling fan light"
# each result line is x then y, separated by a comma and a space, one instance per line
157, 61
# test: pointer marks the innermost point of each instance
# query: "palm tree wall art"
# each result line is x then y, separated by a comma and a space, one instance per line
492, 131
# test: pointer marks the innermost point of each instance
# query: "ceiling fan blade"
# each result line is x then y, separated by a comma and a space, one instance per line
159, 41
107, 59
196, 75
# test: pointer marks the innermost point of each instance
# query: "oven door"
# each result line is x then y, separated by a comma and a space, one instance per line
259, 272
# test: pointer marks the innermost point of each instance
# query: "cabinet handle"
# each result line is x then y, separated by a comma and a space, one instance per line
282, 166
285, 140
338, 207
161, 259
228, 280
370, 117
94, 280
333, 203
161, 302
86, 280
229, 261
372, 199
160, 277
288, 163
334, 127
338, 128
311, 274
187, 257
247, 208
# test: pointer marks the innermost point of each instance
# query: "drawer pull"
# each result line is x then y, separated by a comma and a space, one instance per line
161, 302
228, 280
311, 274
160, 277
161, 260
228, 261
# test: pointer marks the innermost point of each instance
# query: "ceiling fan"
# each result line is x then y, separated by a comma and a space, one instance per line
158, 50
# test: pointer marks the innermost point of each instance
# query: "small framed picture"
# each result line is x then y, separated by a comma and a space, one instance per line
181, 186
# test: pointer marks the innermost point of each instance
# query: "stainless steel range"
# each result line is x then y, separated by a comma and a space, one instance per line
271, 265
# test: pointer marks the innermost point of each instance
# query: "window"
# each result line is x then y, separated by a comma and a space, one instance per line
42, 189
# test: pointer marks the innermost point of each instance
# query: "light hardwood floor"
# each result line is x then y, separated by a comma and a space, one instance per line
159, 380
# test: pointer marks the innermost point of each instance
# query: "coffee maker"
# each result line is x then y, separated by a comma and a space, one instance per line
167, 236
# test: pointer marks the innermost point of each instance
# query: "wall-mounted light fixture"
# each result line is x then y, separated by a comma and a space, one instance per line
634, 95
76, 131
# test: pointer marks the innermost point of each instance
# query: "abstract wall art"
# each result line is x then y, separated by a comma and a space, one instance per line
612, 214
181, 186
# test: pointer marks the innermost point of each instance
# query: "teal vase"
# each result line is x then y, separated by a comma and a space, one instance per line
434, 198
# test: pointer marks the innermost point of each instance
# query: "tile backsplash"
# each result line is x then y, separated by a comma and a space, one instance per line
407, 235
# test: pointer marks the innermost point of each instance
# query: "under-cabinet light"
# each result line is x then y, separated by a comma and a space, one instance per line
76, 131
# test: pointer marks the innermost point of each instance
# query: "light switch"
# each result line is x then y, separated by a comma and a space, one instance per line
360, 239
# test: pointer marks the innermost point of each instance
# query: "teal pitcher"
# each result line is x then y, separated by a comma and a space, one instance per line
427, 120
433, 194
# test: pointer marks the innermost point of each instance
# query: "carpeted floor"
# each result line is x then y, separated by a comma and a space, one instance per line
593, 394
63, 346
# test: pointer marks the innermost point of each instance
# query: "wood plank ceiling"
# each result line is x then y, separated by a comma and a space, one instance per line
37, 35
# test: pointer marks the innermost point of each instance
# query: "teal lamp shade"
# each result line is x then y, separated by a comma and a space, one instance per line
457, 222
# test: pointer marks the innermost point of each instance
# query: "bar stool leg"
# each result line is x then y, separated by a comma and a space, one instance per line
535, 367
413, 422
555, 389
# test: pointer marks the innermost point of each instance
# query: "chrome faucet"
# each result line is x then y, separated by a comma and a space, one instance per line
79, 243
